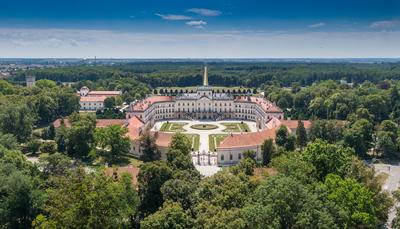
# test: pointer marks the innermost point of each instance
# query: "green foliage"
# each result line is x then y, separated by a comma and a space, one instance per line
178, 155
268, 151
172, 215
151, 178
32, 146
79, 139
283, 202
148, 148
16, 120
55, 164
8, 141
301, 135
112, 143
354, 200
327, 158
284, 139
48, 147
359, 136
109, 102
328, 130
86, 200
21, 199
293, 165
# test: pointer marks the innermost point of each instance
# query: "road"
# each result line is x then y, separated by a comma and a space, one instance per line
391, 183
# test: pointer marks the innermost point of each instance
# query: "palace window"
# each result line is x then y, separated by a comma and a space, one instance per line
222, 157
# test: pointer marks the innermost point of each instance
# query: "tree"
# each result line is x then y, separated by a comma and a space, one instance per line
49, 133
113, 142
81, 200
359, 136
20, 199
284, 139
293, 165
327, 158
151, 178
55, 164
283, 202
48, 147
149, 149
181, 191
172, 215
301, 135
32, 146
8, 141
46, 108
268, 151
328, 130
109, 102
80, 137
385, 144
353, 200
16, 120
178, 155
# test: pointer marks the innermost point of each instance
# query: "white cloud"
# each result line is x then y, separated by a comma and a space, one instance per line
235, 44
174, 17
205, 12
197, 24
385, 24
317, 25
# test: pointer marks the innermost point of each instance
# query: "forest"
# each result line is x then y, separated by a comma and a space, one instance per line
317, 179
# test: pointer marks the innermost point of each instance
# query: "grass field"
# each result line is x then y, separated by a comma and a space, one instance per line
194, 140
173, 127
215, 139
235, 127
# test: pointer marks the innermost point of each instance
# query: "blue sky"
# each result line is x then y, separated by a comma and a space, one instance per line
200, 28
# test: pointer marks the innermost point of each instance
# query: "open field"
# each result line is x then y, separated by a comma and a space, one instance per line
194, 140
235, 127
173, 127
215, 139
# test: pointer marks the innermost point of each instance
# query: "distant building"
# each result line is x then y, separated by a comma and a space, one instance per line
94, 100
30, 81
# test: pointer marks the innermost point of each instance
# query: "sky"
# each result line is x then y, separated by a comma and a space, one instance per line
200, 28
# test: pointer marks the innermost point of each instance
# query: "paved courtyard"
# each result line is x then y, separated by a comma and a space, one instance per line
208, 160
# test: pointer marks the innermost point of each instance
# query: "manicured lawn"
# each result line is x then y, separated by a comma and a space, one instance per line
215, 139
194, 141
173, 127
204, 127
236, 127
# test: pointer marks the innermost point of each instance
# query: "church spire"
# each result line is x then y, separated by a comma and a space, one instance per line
205, 77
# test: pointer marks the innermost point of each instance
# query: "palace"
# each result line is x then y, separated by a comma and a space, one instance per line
207, 104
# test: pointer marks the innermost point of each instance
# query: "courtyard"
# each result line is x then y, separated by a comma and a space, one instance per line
205, 135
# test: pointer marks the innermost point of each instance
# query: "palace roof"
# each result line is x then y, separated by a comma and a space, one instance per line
265, 104
144, 104
93, 98
247, 139
134, 127
104, 93
291, 124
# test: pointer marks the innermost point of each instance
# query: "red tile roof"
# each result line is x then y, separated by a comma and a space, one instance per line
163, 139
291, 124
262, 102
92, 98
135, 126
247, 139
144, 104
104, 93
